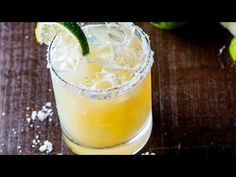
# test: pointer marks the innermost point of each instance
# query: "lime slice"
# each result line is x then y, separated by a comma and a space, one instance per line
231, 26
167, 25
45, 32
232, 48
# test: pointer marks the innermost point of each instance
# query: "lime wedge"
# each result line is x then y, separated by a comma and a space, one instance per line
46, 31
231, 26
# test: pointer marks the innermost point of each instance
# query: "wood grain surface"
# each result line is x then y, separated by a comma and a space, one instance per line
194, 92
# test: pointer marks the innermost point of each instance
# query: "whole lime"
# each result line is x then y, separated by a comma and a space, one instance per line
232, 48
168, 25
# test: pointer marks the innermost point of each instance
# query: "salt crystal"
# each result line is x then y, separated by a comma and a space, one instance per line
49, 110
20, 151
34, 115
48, 104
44, 113
38, 126
18, 147
13, 130
146, 153
41, 116
26, 115
37, 136
3, 113
14, 133
22, 130
50, 119
2, 144
31, 125
47, 114
49, 90
43, 148
44, 108
46, 147
33, 146
48, 143
27, 108
221, 50
34, 141
28, 119
26, 37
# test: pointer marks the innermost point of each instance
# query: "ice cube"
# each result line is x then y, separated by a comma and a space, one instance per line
66, 58
91, 79
101, 54
110, 77
129, 59
131, 56
120, 33
96, 34
87, 75
116, 35
117, 76
113, 33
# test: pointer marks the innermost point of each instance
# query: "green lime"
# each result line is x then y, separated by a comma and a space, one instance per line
232, 48
168, 25
45, 32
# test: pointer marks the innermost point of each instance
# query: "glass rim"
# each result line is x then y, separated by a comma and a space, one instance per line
113, 91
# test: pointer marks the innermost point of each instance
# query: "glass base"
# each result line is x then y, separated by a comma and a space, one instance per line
131, 147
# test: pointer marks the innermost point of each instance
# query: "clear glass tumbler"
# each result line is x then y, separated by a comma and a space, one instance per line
104, 99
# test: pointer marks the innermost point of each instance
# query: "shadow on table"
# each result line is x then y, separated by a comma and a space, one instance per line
202, 31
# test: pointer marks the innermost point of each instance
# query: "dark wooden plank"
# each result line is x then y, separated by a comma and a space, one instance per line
196, 90
25, 82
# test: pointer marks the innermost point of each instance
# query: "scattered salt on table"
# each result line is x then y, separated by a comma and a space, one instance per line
46, 147
221, 50
34, 115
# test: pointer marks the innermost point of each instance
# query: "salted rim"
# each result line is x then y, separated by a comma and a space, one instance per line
114, 91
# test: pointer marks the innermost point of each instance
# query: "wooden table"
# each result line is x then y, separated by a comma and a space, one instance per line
194, 91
